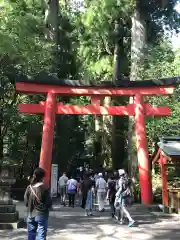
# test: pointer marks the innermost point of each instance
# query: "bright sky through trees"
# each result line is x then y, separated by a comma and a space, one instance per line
176, 38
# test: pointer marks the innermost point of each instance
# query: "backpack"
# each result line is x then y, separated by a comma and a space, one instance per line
126, 188
71, 187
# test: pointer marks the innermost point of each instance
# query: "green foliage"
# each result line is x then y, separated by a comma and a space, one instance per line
22, 37
162, 62
85, 46
23, 50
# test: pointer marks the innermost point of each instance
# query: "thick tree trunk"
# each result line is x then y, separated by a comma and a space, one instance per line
117, 51
52, 27
138, 41
119, 124
98, 159
107, 137
51, 19
1, 146
1, 137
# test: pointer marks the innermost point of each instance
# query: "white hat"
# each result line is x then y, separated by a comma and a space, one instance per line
100, 174
121, 172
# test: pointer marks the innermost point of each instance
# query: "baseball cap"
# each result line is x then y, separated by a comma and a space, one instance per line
121, 172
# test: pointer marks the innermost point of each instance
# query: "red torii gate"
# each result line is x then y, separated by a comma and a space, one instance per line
138, 109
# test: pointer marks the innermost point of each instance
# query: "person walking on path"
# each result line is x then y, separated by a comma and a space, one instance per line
72, 185
101, 191
123, 196
87, 195
38, 202
62, 188
111, 194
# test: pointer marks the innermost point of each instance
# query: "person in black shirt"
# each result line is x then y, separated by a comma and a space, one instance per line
38, 202
87, 193
111, 194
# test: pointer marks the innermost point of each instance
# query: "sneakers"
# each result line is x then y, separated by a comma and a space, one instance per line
131, 224
88, 214
121, 221
102, 210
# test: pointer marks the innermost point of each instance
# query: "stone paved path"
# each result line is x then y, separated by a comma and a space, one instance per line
71, 224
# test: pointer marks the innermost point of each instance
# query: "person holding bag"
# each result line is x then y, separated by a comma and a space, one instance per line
38, 202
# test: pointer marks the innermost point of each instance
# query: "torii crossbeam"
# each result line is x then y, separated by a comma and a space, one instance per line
138, 109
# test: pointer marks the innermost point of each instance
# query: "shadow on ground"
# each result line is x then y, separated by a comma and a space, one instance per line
70, 224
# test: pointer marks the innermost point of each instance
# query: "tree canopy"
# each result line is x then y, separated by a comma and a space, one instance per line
84, 49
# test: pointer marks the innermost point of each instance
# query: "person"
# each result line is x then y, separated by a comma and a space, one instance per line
87, 194
62, 188
38, 202
72, 190
106, 176
96, 177
111, 194
101, 191
123, 196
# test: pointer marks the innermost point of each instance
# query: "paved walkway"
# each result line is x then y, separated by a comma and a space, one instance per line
71, 224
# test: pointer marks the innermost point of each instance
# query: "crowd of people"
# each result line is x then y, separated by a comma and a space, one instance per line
91, 189
97, 188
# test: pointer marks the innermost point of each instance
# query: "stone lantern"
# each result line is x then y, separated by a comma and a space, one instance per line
8, 215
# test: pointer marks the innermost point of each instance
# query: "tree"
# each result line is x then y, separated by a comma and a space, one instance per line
148, 23
160, 62
23, 51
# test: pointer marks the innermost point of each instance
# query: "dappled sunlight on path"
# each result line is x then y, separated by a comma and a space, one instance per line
71, 224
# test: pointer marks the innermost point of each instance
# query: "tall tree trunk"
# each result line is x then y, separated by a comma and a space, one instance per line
1, 144
138, 41
119, 122
52, 27
98, 159
117, 75
107, 135
1, 138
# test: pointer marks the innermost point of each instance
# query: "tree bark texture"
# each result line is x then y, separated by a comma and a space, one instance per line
52, 28
119, 123
138, 41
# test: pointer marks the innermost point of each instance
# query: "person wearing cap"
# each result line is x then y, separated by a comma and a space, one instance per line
38, 202
123, 195
101, 191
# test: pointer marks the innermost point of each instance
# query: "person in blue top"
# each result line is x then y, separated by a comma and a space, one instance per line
72, 190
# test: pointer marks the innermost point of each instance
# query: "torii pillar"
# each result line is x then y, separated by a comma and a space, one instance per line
48, 135
142, 151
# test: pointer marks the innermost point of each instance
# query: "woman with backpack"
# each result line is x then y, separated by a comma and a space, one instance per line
72, 185
38, 202
124, 196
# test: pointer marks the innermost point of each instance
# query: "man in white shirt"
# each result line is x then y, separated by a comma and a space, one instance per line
62, 187
101, 191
